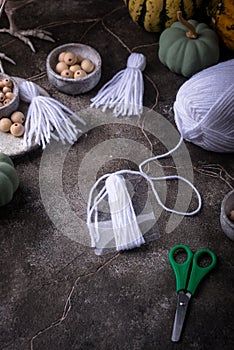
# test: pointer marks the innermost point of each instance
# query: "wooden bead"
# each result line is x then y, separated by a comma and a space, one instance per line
79, 58
10, 95
231, 216
6, 101
6, 89
1, 84
75, 68
60, 67
1, 104
61, 56
18, 117
79, 74
17, 129
5, 124
2, 97
7, 82
70, 58
67, 73
87, 66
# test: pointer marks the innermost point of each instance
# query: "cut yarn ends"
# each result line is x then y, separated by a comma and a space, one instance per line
46, 116
124, 92
127, 234
204, 108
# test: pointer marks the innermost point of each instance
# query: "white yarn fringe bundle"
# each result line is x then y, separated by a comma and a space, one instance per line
124, 224
124, 92
46, 116
122, 213
204, 108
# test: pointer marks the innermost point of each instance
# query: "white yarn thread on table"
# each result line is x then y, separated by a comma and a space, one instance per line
125, 227
204, 108
45, 116
124, 92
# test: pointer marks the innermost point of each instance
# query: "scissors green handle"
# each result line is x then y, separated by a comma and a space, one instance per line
186, 280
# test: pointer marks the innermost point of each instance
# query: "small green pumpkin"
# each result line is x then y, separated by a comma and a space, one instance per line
187, 47
9, 180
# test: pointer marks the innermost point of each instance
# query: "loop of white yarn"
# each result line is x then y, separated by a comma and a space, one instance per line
46, 116
124, 92
112, 191
204, 108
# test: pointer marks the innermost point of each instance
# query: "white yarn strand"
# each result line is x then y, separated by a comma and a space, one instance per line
46, 117
204, 108
124, 92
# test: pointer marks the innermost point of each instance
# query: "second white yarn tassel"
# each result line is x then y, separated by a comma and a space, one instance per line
124, 92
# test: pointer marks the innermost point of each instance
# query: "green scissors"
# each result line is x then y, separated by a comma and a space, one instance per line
188, 276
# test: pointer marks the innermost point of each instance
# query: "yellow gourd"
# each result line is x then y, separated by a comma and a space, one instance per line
221, 13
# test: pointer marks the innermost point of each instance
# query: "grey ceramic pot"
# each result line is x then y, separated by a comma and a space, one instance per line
226, 207
74, 86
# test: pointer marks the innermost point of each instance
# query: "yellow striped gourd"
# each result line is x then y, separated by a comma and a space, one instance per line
156, 15
221, 13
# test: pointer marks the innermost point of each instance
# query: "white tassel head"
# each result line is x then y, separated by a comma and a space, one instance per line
136, 61
28, 91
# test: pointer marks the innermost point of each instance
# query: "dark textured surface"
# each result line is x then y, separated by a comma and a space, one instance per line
124, 301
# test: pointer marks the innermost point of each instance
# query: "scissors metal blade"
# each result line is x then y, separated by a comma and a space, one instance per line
181, 310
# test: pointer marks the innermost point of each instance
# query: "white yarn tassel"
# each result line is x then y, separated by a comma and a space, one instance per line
125, 227
204, 108
45, 116
124, 92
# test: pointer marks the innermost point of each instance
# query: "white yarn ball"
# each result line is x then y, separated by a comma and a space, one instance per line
204, 108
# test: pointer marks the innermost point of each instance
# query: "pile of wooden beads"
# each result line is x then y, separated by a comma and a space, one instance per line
71, 65
6, 91
14, 124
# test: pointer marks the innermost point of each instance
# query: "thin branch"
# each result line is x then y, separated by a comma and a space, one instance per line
116, 37
144, 46
68, 303
215, 171
68, 21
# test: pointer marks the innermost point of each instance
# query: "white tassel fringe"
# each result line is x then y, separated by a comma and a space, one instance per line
45, 116
124, 92
126, 230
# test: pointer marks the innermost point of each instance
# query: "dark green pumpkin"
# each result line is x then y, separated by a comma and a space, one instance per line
9, 180
188, 54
